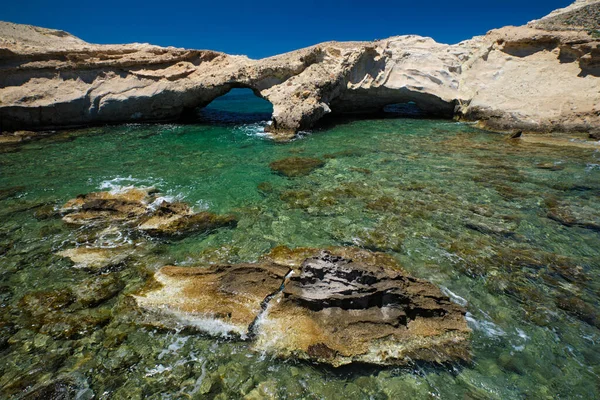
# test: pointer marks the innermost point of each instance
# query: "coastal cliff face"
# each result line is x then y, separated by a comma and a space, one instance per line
540, 77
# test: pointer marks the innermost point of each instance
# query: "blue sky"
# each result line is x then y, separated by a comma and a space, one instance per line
263, 28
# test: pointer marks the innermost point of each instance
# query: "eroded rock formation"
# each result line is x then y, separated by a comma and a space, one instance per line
141, 209
539, 77
113, 226
316, 305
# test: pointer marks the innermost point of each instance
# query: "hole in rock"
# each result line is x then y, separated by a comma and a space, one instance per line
238, 106
407, 110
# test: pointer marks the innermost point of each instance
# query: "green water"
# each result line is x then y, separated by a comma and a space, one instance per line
460, 207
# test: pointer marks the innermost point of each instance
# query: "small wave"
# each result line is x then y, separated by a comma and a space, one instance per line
487, 327
455, 298
254, 129
592, 167
120, 184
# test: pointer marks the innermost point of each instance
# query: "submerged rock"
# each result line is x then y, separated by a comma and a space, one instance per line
550, 166
337, 307
96, 259
296, 166
573, 215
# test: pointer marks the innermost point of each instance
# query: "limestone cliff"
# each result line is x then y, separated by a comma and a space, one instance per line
539, 77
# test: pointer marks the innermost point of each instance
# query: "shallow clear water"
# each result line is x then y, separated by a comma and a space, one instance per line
463, 208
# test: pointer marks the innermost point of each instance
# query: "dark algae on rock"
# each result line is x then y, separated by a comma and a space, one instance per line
293, 167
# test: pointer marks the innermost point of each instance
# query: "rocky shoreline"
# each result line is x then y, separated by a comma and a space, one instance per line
542, 77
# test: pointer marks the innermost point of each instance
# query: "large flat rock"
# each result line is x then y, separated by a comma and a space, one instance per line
316, 305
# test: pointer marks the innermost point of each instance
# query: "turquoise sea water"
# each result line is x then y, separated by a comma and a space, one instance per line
463, 208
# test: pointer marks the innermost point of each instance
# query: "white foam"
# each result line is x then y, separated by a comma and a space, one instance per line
212, 326
255, 129
174, 347
159, 369
591, 167
487, 327
121, 184
456, 298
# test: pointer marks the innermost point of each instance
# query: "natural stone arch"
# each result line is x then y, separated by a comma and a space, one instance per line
207, 109
375, 101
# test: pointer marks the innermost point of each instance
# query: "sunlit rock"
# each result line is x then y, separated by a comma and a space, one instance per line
330, 308
141, 209
539, 77
220, 300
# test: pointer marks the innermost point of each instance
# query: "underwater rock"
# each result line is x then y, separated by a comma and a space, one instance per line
336, 307
492, 227
550, 166
293, 167
11, 192
573, 215
141, 209
96, 259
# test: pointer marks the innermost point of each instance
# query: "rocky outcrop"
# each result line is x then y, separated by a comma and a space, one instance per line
141, 209
114, 226
335, 307
529, 78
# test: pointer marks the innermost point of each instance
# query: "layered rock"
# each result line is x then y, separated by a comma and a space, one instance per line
319, 306
529, 78
142, 209
114, 226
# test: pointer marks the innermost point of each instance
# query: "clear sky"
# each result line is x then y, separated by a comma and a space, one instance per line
266, 27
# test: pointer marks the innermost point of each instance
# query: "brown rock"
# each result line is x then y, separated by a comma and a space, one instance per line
143, 210
172, 219
338, 311
332, 309
221, 300
573, 214
296, 166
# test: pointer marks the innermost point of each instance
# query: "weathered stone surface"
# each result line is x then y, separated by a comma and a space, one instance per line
105, 207
296, 166
97, 259
171, 219
338, 311
141, 209
331, 308
528, 78
220, 300
573, 214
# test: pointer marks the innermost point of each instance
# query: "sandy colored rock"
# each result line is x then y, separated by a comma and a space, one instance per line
220, 300
141, 209
330, 308
171, 219
538, 78
338, 311
96, 259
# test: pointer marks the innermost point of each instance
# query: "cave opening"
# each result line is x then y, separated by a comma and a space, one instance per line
238, 106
